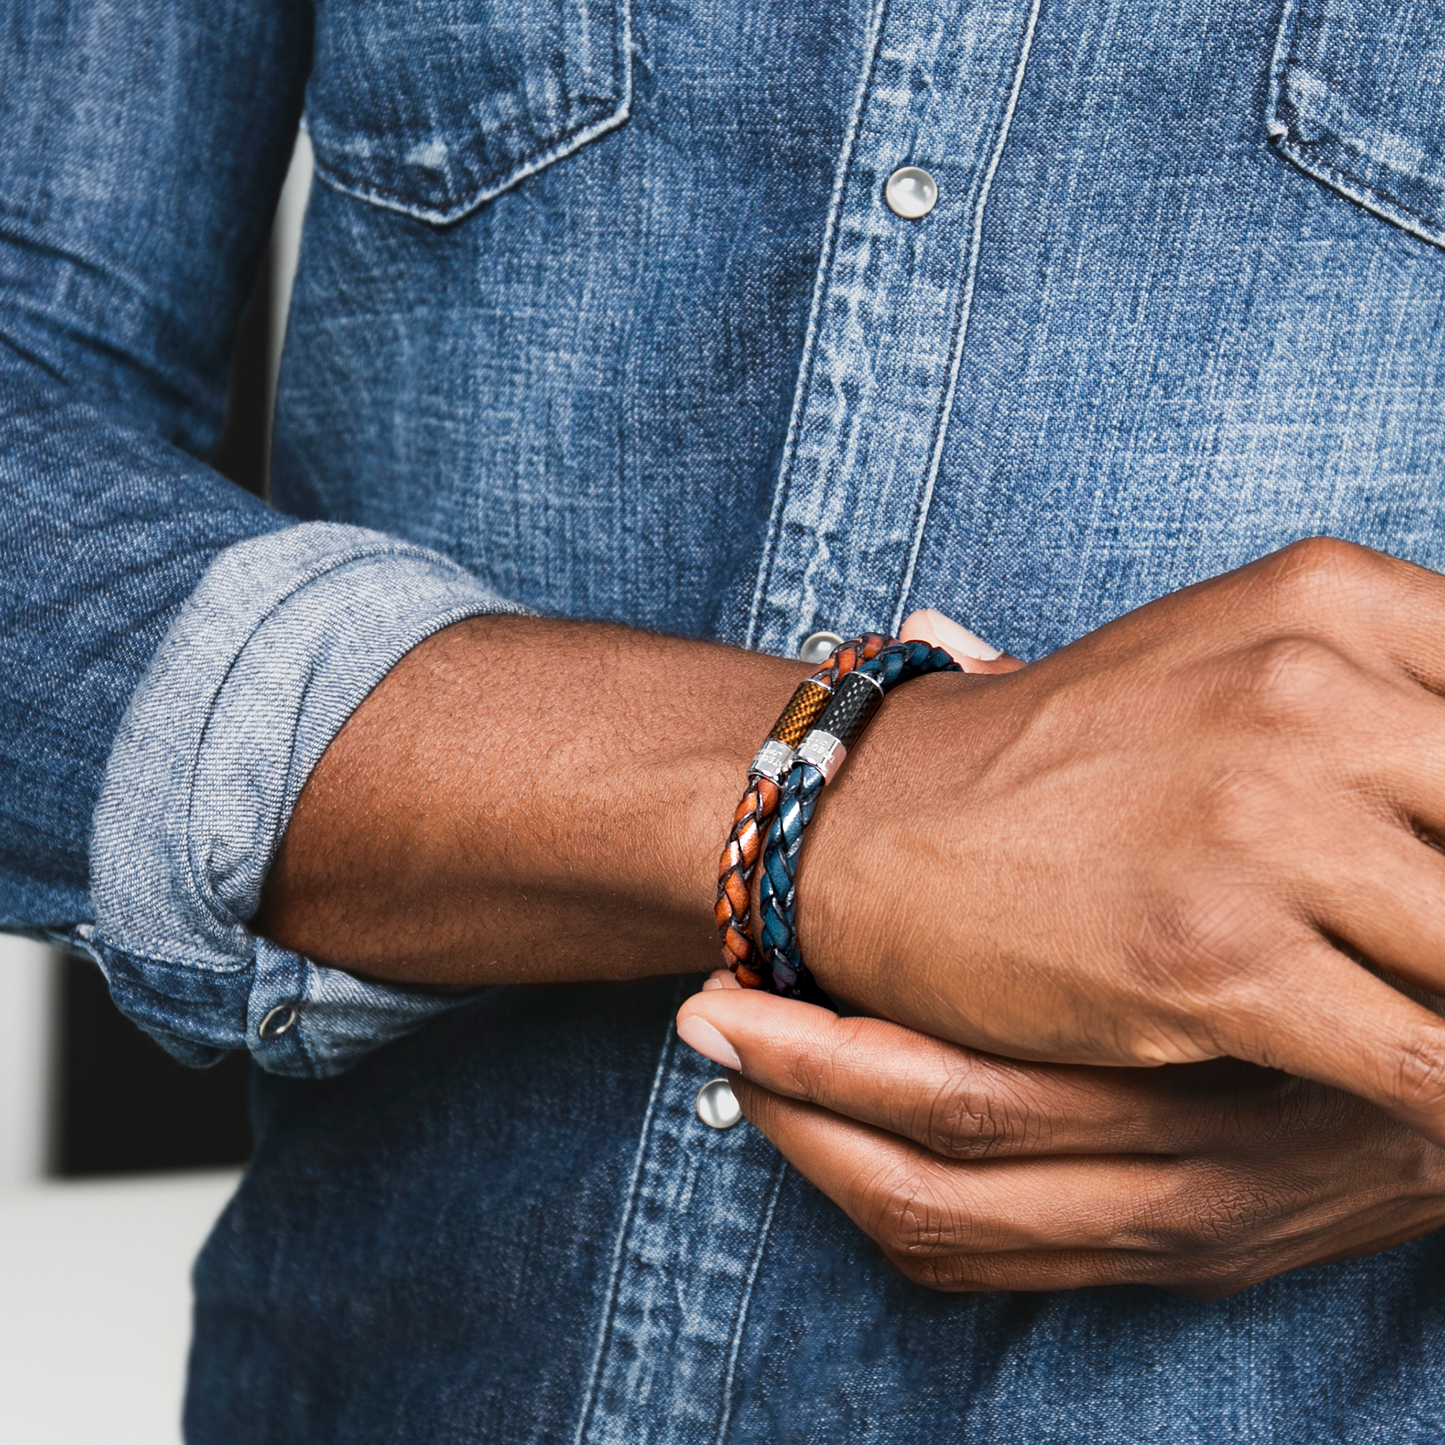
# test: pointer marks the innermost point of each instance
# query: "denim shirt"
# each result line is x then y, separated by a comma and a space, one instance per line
609, 310
602, 312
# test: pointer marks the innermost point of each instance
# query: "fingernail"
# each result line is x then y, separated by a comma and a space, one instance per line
932, 626
712, 983
721, 978
698, 1034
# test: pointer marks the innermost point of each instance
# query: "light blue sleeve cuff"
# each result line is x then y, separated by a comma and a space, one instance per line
283, 638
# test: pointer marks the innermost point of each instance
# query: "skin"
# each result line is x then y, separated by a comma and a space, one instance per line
1205, 831
972, 1172
523, 800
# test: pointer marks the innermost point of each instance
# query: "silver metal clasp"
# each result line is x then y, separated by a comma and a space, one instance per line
824, 751
773, 761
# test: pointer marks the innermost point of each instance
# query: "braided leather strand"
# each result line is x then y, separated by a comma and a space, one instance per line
782, 959
778, 886
739, 859
733, 908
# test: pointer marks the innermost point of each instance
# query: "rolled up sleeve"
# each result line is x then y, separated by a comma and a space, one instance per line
282, 639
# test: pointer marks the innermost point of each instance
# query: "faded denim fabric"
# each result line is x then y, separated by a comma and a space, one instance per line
273, 651
602, 303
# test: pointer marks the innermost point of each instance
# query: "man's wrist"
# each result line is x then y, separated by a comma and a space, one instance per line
858, 903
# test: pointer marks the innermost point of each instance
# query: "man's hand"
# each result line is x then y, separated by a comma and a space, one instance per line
1206, 830
976, 1173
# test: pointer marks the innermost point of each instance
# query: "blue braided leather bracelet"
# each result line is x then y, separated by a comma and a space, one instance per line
857, 697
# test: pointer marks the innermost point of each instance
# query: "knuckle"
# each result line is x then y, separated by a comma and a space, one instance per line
913, 1219
1318, 569
1222, 1222
1213, 1216
1419, 1081
1289, 681
965, 1121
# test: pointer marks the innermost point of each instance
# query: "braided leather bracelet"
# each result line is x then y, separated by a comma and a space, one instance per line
759, 803
856, 698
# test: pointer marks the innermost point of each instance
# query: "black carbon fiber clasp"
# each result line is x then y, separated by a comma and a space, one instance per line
856, 698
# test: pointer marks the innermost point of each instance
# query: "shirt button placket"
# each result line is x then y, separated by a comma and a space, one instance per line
890, 318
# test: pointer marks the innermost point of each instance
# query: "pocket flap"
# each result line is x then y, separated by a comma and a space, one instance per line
431, 107
1358, 101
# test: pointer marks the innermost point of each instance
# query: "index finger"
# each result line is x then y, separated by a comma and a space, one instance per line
1318, 1014
960, 1103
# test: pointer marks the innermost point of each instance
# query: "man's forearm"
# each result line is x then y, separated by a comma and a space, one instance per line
528, 800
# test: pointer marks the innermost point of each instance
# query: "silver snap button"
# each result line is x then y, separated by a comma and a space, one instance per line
911, 193
817, 645
717, 1105
276, 1023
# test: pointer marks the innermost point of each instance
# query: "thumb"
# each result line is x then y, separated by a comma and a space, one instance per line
966, 648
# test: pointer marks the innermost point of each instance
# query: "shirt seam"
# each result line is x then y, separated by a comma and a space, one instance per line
525, 166
765, 1226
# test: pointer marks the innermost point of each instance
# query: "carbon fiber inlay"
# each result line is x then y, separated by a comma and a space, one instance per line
803, 710
855, 700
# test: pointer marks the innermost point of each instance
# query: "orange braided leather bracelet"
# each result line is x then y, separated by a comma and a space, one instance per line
733, 910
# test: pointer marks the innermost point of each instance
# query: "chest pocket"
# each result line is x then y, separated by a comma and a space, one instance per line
1358, 101
432, 107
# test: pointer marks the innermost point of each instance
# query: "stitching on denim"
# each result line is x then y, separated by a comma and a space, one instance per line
138, 949
1283, 41
725, 1408
527, 166
945, 411
300, 1031
1352, 188
810, 337
609, 1313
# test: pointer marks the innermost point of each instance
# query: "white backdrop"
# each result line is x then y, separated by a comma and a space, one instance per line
95, 1305
27, 985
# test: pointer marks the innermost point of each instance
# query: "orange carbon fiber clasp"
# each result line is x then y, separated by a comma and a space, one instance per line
804, 708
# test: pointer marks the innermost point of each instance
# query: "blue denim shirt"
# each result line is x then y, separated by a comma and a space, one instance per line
609, 310
601, 312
